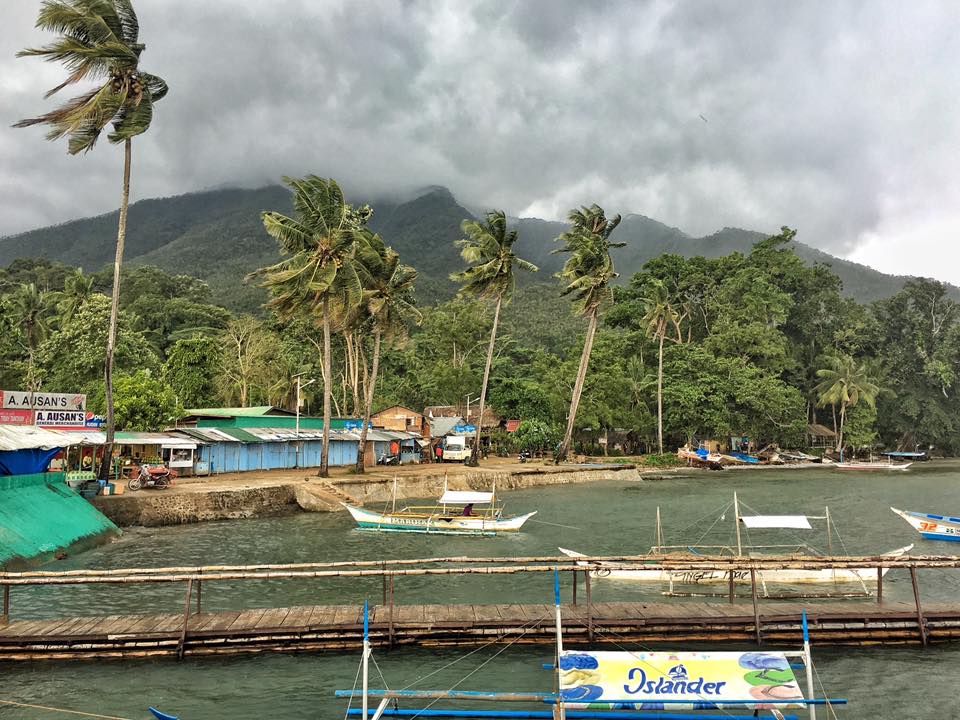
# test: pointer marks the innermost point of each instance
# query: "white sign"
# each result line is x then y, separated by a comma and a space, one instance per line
19, 400
61, 418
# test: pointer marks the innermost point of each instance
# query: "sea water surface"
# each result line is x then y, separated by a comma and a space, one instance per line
600, 518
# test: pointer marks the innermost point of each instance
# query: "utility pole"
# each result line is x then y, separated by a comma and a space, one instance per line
300, 387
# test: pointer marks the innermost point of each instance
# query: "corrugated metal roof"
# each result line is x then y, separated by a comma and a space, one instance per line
444, 425
27, 437
256, 411
153, 438
241, 434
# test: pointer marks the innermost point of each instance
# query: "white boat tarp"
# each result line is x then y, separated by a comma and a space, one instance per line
629, 679
465, 497
797, 522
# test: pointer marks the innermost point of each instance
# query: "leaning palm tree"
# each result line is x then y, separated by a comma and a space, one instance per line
587, 274
320, 277
846, 381
488, 248
98, 40
389, 304
661, 319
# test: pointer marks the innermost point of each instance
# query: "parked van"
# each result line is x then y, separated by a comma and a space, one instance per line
456, 448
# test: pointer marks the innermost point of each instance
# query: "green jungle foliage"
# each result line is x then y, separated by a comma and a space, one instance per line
758, 343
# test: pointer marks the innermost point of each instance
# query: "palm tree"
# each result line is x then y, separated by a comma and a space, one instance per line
77, 289
488, 249
388, 299
31, 308
98, 40
661, 318
320, 277
845, 382
587, 274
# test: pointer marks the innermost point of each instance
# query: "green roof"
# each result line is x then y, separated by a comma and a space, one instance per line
256, 411
242, 435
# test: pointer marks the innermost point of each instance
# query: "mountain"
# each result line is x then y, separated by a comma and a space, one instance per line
218, 236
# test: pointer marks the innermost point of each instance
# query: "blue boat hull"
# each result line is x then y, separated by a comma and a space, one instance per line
938, 536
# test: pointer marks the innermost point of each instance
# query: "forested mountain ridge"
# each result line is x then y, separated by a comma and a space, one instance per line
218, 236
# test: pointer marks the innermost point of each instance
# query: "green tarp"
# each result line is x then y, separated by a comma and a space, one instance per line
40, 515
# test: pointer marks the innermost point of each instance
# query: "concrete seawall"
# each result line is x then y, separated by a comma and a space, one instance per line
264, 495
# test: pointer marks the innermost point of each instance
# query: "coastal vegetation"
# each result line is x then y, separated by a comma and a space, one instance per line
749, 338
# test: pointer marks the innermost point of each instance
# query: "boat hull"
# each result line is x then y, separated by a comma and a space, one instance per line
871, 467
932, 527
767, 577
438, 524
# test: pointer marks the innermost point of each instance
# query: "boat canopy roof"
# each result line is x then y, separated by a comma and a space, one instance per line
465, 497
627, 680
797, 522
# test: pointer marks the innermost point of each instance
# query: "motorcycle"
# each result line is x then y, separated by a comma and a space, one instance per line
524, 456
157, 477
388, 460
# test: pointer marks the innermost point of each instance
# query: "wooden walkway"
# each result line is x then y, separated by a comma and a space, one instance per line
319, 628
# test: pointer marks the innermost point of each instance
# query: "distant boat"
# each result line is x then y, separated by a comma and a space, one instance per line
871, 466
784, 576
933, 527
905, 455
453, 514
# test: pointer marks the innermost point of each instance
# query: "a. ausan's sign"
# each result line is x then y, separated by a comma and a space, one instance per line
61, 418
20, 400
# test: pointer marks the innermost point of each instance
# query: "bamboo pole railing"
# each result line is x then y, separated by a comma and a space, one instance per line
469, 566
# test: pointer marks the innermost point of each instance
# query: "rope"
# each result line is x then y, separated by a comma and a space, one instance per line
481, 665
565, 527
61, 710
353, 692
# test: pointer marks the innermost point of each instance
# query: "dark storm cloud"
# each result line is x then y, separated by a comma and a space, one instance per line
837, 118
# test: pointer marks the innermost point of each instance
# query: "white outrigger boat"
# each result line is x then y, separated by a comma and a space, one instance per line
871, 466
453, 514
932, 527
862, 576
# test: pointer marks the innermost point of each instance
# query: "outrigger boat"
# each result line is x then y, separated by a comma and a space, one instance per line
453, 514
862, 576
871, 466
632, 685
932, 527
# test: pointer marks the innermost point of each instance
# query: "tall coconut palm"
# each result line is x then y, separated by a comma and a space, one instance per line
320, 277
388, 299
30, 309
488, 249
661, 319
587, 274
98, 40
77, 289
844, 382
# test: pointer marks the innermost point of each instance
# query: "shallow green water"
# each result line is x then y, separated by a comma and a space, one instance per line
609, 518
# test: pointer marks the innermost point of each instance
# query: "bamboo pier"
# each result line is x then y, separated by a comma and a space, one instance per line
189, 630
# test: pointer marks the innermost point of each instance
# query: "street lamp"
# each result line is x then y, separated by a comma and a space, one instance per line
300, 386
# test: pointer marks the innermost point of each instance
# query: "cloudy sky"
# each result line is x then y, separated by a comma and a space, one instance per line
841, 119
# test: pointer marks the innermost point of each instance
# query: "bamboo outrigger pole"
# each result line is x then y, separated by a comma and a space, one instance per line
808, 662
736, 522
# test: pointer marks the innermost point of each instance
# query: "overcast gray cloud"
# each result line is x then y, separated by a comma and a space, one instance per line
837, 118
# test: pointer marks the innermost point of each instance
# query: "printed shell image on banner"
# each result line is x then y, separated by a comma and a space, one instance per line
675, 681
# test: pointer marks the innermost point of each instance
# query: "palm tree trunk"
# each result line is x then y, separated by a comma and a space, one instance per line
327, 392
578, 386
660, 398
114, 312
368, 410
843, 413
475, 459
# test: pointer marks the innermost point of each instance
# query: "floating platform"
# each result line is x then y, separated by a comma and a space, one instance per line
340, 627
